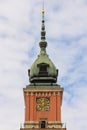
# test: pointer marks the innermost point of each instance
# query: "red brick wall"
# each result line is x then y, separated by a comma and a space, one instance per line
53, 115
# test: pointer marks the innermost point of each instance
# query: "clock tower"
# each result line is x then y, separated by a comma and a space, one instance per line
43, 96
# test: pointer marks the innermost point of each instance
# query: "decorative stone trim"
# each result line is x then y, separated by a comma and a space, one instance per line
35, 124
45, 93
54, 124
43, 90
31, 124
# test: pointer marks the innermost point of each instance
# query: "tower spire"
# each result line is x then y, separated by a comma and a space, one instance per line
43, 43
43, 5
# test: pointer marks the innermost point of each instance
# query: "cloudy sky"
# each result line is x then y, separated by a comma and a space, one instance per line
66, 34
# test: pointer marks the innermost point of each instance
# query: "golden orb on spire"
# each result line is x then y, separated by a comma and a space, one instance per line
43, 11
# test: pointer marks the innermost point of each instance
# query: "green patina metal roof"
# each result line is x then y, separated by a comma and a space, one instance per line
43, 85
50, 74
43, 58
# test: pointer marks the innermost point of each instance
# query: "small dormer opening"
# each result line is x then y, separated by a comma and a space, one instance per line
43, 71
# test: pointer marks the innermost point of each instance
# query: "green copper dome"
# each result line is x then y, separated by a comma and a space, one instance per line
43, 69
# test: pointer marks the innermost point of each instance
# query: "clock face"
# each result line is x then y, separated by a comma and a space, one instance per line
42, 104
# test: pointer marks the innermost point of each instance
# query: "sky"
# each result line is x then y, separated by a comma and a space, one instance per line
66, 34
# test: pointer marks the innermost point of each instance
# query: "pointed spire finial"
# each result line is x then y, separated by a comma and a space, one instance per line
43, 43
43, 8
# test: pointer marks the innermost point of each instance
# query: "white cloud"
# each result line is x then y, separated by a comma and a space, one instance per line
75, 108
70, 19
20, 23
